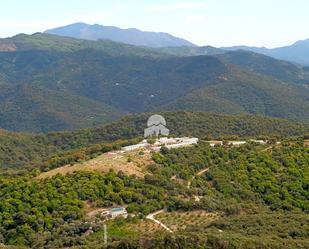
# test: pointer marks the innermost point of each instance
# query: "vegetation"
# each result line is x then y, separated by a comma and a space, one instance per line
104, 80
41, 110
28, 208
20, 150
251, 196
255, 193
39, 41
262, 64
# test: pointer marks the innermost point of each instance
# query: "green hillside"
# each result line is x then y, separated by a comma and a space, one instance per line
40, 41
26, 107
258, 198
19, 150
86, 83
243, 92
262, 64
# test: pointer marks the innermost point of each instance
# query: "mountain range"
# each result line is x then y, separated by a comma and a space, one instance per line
296, 53
51, 83
130, 36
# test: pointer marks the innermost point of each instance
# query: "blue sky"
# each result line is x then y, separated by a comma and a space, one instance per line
269, 23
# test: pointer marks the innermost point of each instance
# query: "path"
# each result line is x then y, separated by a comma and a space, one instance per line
151, 217
201, 172
268, 148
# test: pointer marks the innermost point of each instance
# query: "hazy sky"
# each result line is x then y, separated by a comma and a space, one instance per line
267, 23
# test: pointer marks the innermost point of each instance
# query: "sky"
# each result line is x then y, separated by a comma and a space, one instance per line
269, 23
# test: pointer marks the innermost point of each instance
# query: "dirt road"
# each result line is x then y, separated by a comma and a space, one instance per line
151, 217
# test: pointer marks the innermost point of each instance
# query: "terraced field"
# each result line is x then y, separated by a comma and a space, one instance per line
178, 221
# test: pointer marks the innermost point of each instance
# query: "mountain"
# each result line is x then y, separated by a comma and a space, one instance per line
297, 52
241, 91
133, 84
266, 65
52, 43
141, 80
251, 61
128, 36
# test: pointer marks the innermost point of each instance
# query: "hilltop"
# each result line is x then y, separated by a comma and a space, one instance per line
20, 151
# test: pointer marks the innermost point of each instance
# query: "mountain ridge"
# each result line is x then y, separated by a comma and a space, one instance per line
298, 52
121, 79
131, 36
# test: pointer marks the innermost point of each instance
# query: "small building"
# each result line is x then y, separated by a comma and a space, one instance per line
135, 146
173, 143
237, 143
116, 212
258, 141
111, 213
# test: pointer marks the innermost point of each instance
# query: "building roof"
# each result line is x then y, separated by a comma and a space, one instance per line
117, 209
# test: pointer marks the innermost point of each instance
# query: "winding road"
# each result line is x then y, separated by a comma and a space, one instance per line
151, 217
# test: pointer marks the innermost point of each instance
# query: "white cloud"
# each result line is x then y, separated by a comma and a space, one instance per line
177, 6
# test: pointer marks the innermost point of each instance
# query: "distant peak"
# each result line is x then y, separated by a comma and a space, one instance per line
302, 42
130, 36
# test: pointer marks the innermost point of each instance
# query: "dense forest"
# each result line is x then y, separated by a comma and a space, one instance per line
46, 87
260, 192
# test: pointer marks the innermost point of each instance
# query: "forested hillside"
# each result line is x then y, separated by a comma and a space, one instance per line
113, 79
257, 196
262, 64
35, 109
53, 149
39, 41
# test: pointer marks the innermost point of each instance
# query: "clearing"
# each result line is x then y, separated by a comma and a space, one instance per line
130, 163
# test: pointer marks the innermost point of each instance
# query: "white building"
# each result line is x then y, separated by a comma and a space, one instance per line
140, 145
258, 141
237, 143
173, 143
